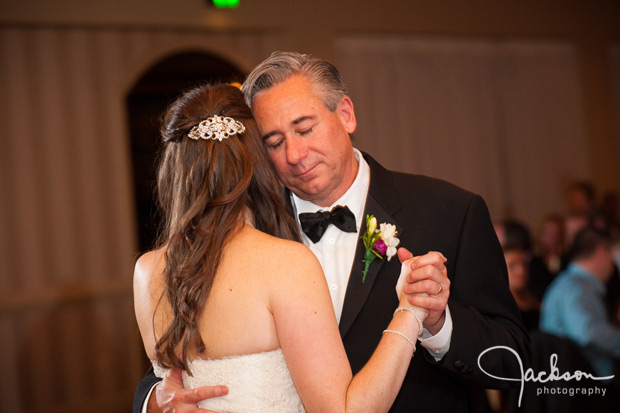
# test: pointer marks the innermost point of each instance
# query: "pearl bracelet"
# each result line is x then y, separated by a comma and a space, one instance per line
403, 336
415, 314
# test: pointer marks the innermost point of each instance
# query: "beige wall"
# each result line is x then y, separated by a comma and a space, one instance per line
67, 226
592, 27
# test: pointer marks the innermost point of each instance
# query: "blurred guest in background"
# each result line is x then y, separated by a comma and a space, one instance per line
516, 243
610, 210
549, 244
581, 198
577, 222
574, 305
548, 256
573, 224
610, 213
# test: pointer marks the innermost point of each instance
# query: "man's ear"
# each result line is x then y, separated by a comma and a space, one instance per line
347, 114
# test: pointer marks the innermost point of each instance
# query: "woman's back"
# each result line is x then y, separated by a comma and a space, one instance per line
237, 318
242, 350
270, 296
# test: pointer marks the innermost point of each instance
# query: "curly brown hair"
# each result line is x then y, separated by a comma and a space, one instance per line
204, 187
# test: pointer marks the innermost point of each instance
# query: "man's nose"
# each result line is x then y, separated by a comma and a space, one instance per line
295, 150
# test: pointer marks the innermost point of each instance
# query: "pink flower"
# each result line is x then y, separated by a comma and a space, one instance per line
380, 246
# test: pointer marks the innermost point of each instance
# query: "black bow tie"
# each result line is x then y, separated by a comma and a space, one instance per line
314, 224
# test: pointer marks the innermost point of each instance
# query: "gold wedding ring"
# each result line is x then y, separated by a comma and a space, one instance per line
439, 291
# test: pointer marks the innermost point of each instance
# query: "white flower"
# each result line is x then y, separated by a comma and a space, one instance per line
391, 251
387, 231
388, 235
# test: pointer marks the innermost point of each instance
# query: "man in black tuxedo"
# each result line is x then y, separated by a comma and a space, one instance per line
306, 118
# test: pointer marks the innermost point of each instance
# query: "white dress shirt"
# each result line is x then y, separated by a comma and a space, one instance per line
336, 249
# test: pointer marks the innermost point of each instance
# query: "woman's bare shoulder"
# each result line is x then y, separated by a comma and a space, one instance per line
276, 249
288, 262
148, 277
151, 259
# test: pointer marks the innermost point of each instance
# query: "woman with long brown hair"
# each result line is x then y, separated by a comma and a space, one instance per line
229, 296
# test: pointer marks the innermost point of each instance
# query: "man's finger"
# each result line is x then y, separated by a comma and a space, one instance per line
208, 392
427, 272
423, 301
404, 254
193, 396
431, 258
419, 287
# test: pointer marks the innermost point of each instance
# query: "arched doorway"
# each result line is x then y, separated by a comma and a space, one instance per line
146, 101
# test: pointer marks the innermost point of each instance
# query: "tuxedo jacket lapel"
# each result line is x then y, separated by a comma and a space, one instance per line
381, 202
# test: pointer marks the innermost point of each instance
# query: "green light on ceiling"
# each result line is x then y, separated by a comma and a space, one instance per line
228, 4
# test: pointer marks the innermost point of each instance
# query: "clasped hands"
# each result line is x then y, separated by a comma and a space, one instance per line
427, 286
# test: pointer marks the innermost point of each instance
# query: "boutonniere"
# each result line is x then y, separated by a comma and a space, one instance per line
378, 242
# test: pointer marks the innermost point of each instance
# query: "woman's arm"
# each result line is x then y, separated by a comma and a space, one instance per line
311, 343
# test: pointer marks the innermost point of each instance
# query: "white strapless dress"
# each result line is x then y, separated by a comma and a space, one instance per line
257, 382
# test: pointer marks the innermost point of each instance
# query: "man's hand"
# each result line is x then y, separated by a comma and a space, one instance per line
428, 286
171, 397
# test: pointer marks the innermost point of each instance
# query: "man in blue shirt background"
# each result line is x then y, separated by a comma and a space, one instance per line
574, 304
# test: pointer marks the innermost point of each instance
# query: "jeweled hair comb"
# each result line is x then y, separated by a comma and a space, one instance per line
216, 127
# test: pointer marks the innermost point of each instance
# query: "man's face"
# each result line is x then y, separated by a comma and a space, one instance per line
517, 269
308, 145
604, 259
